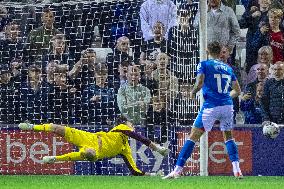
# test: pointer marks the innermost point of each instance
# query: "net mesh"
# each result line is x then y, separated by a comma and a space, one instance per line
86, 31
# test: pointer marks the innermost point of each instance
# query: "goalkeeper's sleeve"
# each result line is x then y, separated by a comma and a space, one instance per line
129, 161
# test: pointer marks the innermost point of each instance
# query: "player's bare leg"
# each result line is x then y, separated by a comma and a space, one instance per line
185, 153
233, 153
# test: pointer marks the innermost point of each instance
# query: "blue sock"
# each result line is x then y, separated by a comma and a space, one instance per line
185, 152
232, 150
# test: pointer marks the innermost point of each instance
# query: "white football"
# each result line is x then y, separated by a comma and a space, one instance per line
271, 130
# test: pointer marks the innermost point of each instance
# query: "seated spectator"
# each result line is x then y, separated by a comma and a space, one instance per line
34, 93
251, 107
272, 100
224, 56
271, 35
183, 43
58, 52
265, 56
18, 71
261, 76
120, 54
147, 78
10, 104
151, 48
38, 41
81, 77
82, 72
167, 82
153, 11
222, 25
12, 46
4, 20
184, 110
100, 99
253, 18
158, 115
278, 4
133, 99
123, 68
60, 95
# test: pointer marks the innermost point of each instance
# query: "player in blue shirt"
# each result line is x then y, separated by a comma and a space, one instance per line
219, 85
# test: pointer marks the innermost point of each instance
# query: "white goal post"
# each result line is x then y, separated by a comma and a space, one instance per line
203, 56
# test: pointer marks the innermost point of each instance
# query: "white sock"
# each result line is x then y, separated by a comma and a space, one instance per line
178, 169
236, 166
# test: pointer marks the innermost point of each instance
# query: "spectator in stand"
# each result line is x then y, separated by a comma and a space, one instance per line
271, 35
262, 76
133, 99
222, 25
265, 56
100, 99
183, 43
60, 94
123, 68
278, 4
153, 11
272, 100
184, 110
158, 115
147, 78
230, 3
224, 56
82, 72
38, 41
252, 19
12, 46
167, 82
10, 104
121, 53
11, 49
81, 77
58, 52
151, 48
4, 20
34, 93
18, 71
251, 107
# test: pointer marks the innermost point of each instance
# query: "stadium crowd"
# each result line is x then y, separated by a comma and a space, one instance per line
51, 69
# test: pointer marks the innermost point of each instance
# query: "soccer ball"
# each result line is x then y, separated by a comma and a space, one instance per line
271, 130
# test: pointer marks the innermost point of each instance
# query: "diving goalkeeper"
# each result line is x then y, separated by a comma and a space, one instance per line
99, 145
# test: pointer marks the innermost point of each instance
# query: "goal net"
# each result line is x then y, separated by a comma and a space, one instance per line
82, 32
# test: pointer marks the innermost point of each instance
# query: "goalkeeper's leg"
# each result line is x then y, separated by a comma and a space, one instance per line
84, 154
49, 127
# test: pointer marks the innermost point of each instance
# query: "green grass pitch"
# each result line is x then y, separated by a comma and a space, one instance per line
130, 182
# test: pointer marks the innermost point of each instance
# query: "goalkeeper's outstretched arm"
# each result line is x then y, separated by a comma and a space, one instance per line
155, 147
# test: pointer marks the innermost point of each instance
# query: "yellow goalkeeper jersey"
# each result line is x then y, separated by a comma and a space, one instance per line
114, 142
106, 144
